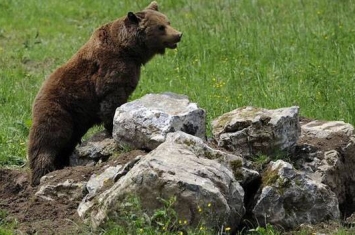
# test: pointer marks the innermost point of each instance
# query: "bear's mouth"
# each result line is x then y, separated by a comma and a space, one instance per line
171, 45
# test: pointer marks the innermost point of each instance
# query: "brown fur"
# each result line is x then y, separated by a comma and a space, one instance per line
92, 84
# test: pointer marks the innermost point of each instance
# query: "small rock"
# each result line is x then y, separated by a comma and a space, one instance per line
99, 147
68, 190
323, 129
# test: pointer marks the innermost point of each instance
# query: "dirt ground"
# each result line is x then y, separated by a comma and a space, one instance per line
34, 215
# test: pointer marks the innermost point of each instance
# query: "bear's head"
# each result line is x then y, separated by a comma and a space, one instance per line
154, 29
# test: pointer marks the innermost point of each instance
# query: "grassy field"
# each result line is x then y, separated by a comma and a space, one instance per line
263, 53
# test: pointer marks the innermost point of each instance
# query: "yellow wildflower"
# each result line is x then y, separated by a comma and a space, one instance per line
199, 209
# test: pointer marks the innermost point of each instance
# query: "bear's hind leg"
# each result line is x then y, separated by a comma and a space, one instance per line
44, 163
49, 135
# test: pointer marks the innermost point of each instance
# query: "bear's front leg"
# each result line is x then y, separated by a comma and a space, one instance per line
108, 108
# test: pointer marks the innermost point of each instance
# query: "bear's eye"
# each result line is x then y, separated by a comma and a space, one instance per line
161, 27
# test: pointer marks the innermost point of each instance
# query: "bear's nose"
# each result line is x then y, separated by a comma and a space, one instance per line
180, 36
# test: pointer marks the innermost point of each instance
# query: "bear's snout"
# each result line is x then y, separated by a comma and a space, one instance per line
179, 36
173, 39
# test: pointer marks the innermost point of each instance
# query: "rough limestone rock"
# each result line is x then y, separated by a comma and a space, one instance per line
249, 131
99, 147
238, 165
326, 153
323, 129
289, 198
69, 190
144, 123
95, 183
100, 181
177, 167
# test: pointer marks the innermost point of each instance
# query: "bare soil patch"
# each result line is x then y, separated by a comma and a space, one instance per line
34, 215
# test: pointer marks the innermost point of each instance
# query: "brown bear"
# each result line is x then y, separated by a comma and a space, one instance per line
87, 89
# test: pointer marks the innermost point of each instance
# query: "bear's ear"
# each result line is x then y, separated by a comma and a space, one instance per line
153, 6
132, 17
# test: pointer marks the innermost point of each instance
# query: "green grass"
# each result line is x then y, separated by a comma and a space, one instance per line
6, 224
132, 219
264, 53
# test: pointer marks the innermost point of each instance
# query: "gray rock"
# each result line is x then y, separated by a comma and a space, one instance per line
69, 190
100, 181
250, 130
326, 153
177, 168
144, 123
289, 198
238, 165
95, 183
323, 129
99, 147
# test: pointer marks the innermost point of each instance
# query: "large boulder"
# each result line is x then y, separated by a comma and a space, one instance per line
326, 153
250, 131
178, 168
289, 198
98, 182
145, 122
